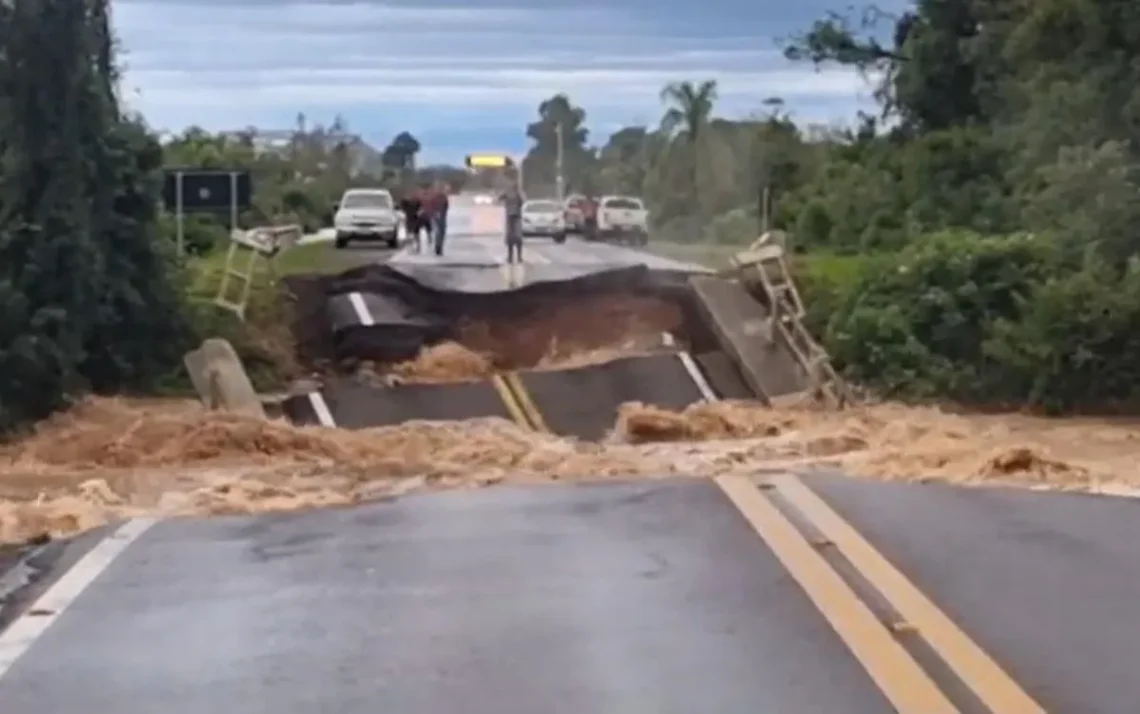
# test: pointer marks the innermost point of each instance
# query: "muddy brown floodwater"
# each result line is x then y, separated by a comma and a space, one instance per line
111, 458
554, 334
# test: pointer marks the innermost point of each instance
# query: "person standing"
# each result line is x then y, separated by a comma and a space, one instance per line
512, 206
590, 217
439, 206
411, 204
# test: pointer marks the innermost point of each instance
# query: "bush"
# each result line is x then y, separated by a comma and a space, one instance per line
825, 281
918, 323
1076, 344
736, 227
201, 234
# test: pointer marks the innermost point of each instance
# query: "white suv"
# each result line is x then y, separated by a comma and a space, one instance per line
367, 214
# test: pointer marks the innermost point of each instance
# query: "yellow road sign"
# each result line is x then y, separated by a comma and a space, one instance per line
488, 161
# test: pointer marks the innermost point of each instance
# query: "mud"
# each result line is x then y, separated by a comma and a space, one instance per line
108, 459
550, 335
112, 458
540, 325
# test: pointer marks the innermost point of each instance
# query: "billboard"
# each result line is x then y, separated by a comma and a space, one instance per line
206, 190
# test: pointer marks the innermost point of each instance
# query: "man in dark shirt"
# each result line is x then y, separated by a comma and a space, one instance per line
412, 206
590, 217
512, 205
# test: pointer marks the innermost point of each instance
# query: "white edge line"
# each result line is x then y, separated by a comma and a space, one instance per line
694, 371
362, 312
321, 409
536, 258
49, 607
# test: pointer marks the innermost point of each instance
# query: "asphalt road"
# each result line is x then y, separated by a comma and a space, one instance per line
475, 240
665, 596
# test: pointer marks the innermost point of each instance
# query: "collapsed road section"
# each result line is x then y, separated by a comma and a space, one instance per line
559, 351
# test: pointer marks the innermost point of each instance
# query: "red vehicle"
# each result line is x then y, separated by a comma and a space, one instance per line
575, 214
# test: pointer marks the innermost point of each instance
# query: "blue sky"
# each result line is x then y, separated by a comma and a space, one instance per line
462, 76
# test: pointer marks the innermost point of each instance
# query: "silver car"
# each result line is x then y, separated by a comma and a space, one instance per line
544, 217
367, 214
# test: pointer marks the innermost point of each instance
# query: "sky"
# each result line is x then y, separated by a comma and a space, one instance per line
463, 76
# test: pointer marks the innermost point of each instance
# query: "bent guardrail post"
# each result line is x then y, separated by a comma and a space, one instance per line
260, 245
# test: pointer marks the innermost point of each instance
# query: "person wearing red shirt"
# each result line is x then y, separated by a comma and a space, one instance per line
436, 205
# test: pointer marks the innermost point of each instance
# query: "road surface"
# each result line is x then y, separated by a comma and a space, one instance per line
475, 240
664, 596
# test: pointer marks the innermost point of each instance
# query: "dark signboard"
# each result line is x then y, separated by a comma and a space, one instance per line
203, 190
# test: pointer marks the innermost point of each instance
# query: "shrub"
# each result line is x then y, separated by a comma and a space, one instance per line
1076, 344
917, 324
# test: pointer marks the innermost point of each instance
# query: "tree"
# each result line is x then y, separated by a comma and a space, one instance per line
558, 116
625, 160
87, 295
688, 110
931, 78
400, 155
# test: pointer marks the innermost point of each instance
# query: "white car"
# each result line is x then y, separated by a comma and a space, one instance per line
623, 219
367, 214
542, 217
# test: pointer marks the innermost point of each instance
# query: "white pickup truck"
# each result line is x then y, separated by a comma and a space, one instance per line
367, 214
622, 219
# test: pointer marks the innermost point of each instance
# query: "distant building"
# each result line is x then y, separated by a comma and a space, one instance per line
363, 157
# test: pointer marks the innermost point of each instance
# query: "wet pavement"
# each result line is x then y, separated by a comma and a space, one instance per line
477, 264
649, 597
621, 597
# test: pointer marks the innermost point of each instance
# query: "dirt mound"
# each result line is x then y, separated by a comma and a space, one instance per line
445, 362
639, 423
111, 458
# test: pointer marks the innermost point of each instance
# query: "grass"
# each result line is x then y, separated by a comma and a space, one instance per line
319, 257
713, 255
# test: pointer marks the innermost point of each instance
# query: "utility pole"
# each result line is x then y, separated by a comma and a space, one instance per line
559, 179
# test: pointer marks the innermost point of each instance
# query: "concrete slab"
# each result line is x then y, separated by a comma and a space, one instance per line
358, 406
724, 376
644, 597
740, 323
583, 402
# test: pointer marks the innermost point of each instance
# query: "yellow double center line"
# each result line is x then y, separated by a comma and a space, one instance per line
901, 679
518, 401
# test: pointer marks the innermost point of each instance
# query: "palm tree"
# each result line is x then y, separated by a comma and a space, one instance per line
688, 110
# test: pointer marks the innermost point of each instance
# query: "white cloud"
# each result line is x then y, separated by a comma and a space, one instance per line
228, 66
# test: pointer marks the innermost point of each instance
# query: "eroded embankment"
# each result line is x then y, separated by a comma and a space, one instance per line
432, 335
111, 458
107, 459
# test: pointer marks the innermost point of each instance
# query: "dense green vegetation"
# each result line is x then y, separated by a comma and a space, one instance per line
974, 240
87, 300
979, 233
